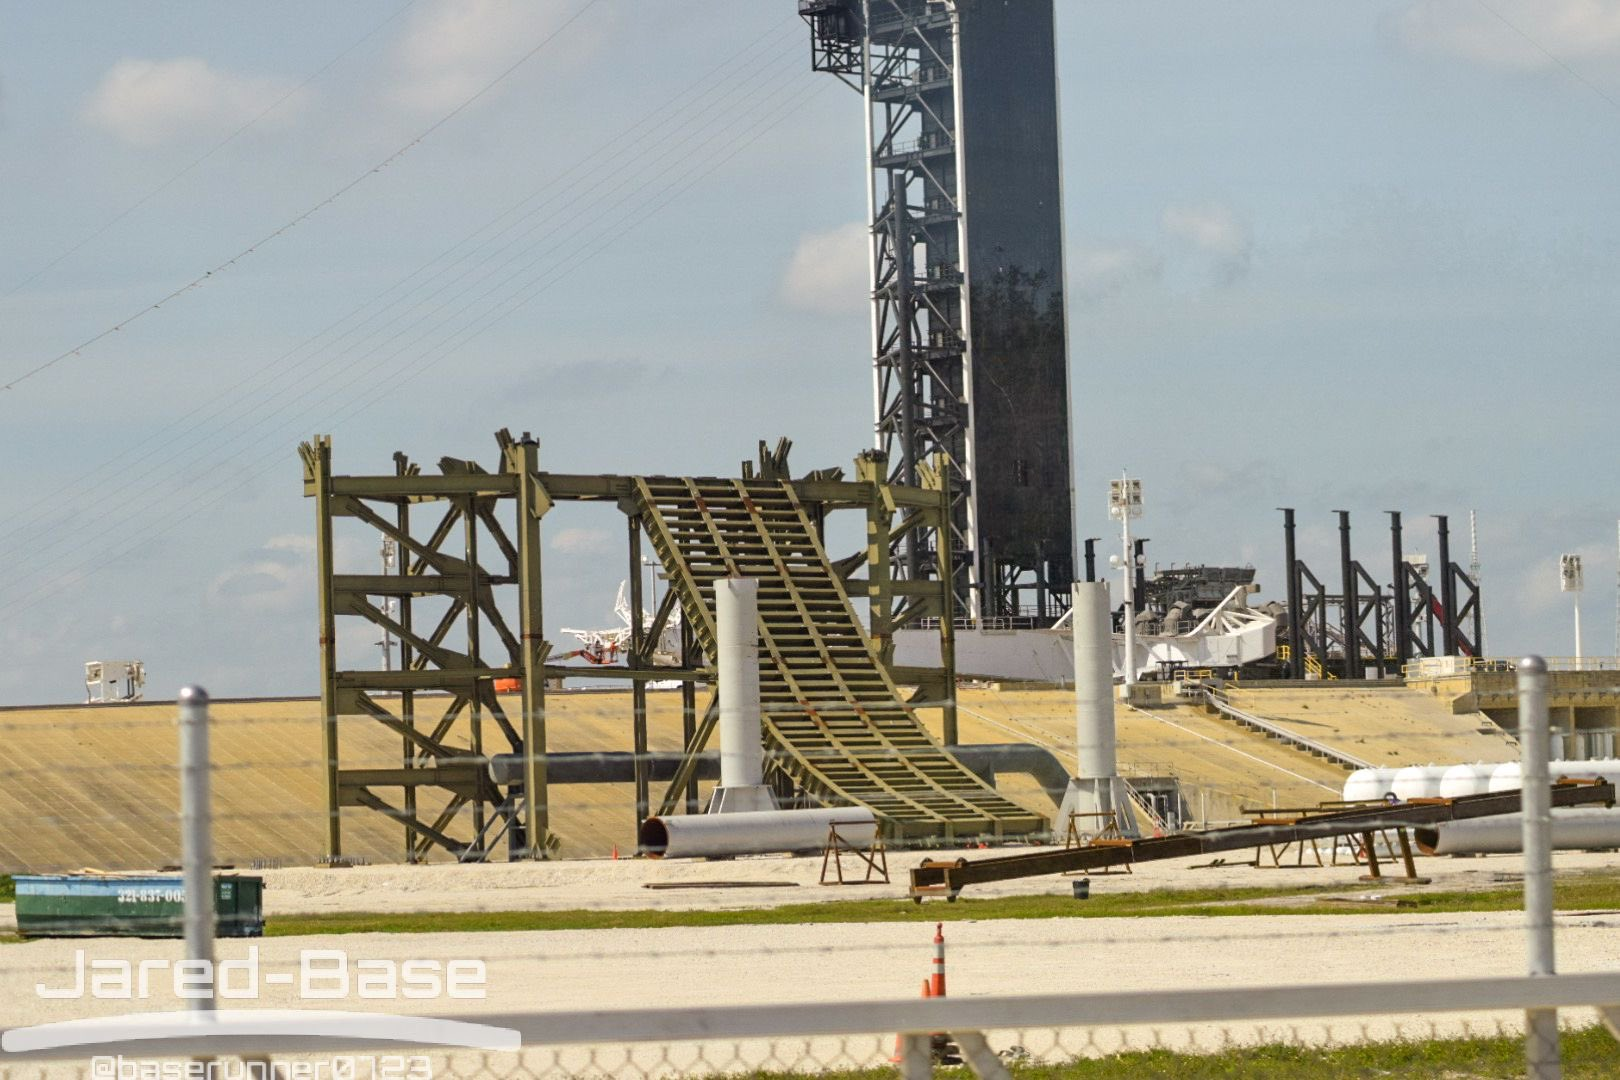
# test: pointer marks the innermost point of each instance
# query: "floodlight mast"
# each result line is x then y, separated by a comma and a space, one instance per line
1570, 580
1125, 503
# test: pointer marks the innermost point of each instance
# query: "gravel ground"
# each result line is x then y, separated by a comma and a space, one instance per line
610, 969
621, 883
673, 967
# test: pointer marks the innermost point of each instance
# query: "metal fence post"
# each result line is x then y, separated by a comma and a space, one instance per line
916, 1056
196, 842
1541, 1025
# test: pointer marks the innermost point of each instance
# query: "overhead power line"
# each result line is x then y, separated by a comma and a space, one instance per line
1549, 54
201, 279
189, 505
712, 94
656, 188
206, 154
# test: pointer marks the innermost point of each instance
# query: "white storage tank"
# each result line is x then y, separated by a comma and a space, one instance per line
1461, 780
1368, 785
1418, 782
1505, 777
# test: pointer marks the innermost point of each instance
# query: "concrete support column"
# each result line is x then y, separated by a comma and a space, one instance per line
742, 771
1097, 791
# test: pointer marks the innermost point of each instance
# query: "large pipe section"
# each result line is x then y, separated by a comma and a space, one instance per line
699, 836
1573, 829
987, 761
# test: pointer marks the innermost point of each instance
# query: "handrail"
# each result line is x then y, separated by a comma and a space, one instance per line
1600, 990
1218, 702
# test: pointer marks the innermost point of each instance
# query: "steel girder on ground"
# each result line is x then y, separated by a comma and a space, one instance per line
950, 878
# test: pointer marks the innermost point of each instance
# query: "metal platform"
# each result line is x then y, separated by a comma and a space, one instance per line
835, 720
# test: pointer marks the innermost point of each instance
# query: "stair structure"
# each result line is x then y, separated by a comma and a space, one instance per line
835, 723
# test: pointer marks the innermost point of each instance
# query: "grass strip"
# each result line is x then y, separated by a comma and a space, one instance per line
1589, 1053
1576, 893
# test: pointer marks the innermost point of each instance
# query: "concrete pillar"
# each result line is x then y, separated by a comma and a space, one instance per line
742, 772
1097, 790
1093, 681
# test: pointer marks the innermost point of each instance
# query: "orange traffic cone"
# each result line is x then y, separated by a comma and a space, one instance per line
898, 1056
615, 851
938, 987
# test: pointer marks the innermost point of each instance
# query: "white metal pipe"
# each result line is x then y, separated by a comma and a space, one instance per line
764, 832
1573, 829
736, 611
1093, 680
1541, 1025
196, 841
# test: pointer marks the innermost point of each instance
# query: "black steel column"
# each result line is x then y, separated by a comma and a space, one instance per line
1448, 590
1091, 559
1402, 597
1137, 549
1296, 632
1348, 623
1379, 640
638, 687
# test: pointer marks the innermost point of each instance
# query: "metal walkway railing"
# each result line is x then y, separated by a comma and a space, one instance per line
1217, 701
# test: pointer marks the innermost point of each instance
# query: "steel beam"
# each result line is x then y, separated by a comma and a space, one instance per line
951, 878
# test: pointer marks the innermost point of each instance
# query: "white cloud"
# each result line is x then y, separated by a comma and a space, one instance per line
1215, 230
148, 102
452, 48
1568, 29
828, 272
279, 578
1098, 270
576, 541
299, 543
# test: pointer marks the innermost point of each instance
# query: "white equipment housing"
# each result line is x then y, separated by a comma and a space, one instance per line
1231, 635
114, 680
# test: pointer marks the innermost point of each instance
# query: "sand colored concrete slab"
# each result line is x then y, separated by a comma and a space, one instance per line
1221, 767
1392, 726
96, 786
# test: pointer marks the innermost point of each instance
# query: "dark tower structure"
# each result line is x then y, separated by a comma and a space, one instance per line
968, 329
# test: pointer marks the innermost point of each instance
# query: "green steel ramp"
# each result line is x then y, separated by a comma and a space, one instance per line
834, 719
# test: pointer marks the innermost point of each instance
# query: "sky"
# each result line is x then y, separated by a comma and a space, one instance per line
1353, 257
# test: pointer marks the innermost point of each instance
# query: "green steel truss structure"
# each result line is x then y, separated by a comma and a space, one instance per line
837, 728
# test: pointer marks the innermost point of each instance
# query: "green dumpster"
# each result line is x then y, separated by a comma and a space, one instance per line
131, 905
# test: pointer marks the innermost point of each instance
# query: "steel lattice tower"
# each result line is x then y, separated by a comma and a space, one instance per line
969, 342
